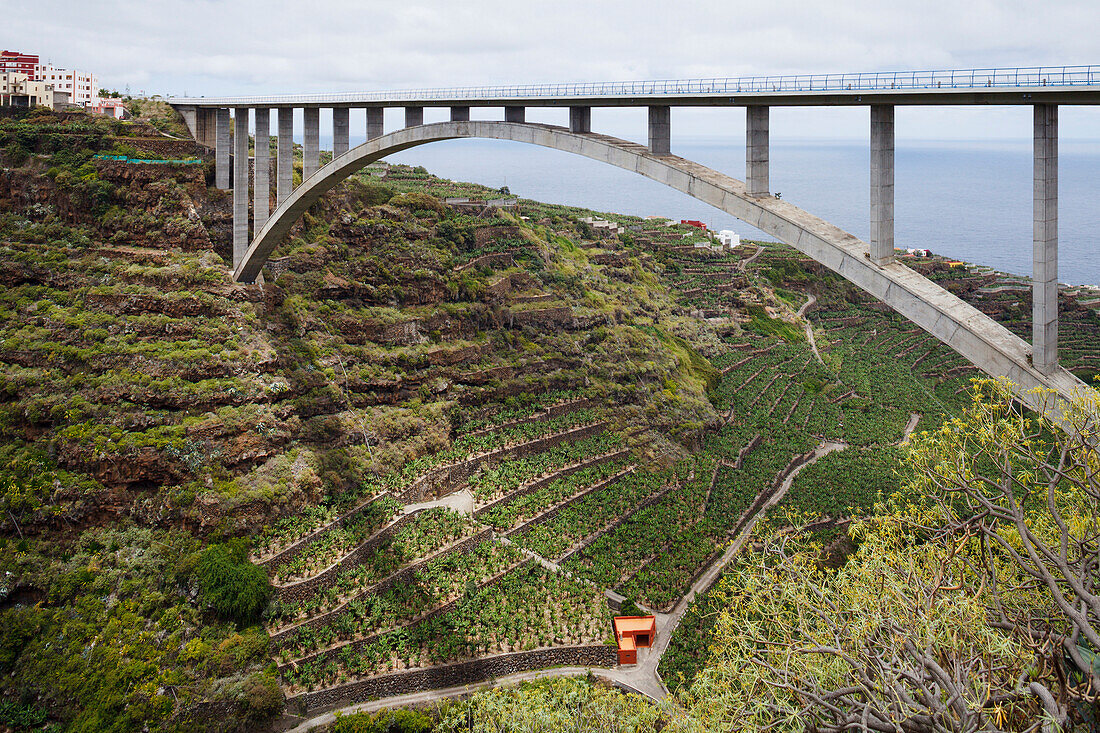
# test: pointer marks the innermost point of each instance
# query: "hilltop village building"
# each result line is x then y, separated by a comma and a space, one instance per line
82, 87
17, 90
24, 82
18, 63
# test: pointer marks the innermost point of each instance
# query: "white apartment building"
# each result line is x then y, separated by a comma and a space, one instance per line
82, 88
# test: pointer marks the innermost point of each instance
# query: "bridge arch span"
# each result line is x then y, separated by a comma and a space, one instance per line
977, 337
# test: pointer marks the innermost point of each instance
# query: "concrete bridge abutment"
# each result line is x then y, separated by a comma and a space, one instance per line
515, 114
460, 114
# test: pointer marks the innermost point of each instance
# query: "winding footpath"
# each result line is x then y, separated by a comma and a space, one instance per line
642, 678
808, 327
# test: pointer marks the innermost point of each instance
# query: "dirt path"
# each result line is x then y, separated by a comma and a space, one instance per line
460, 501
806, 306
808, 327
749, 261
914, 418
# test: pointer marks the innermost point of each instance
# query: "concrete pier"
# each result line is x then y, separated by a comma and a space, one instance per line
460, 114
757, 155
285, 174
660, 130
882, 183
341, 131
414, 116
580, 119
1044, 305
311, 142
261, 186
206, 133
240, 184
374, 122
515, 114
221, 149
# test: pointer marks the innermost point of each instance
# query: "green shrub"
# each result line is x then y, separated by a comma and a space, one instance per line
230, 585
262, 698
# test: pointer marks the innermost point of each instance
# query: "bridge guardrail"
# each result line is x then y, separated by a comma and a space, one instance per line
1033, 76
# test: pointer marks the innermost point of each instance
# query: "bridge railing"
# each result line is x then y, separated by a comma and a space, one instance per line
1034, 76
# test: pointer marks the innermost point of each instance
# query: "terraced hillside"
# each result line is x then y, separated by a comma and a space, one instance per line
437, 445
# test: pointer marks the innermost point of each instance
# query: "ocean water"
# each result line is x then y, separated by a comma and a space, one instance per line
965, 199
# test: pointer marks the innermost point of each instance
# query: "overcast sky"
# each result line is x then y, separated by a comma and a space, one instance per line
209, 47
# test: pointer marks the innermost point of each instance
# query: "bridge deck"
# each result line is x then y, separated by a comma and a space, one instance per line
1054, 85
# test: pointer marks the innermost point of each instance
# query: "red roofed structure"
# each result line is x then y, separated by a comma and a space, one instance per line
633, 632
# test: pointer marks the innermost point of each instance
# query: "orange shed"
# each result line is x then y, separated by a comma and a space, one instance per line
632, 632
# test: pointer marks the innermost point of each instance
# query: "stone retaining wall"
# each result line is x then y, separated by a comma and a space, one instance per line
541, 416
454, 475
547, 516
498, 258
561, 473
401, 576
430, 614
295, 549
304, 589
560, 317
453, 675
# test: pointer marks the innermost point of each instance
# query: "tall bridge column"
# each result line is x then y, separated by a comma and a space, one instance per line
285, 175
311, 142
414, 116
460, 114
374, 122
1044, 298
756, 150
515, 114
221, 149
261, 185
660, 130
882, 184
580, 119
240, 184
341, 131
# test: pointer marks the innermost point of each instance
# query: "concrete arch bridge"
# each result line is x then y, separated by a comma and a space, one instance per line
871, 266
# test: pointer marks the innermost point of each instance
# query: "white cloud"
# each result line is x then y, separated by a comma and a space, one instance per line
213, 47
